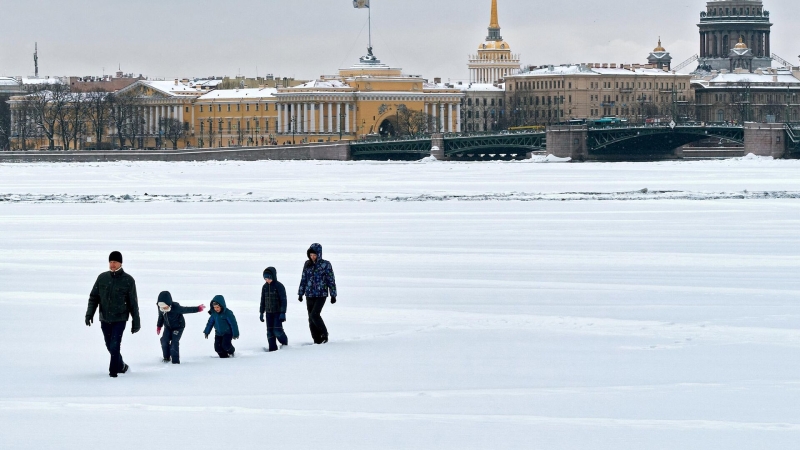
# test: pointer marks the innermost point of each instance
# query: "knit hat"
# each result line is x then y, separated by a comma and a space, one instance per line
268, 274
115, 256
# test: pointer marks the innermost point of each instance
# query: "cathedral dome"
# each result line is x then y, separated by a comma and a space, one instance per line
494, 45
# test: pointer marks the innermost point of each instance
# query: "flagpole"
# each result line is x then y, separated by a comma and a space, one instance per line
370, 26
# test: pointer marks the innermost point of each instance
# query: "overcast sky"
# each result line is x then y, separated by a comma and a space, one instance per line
308, 38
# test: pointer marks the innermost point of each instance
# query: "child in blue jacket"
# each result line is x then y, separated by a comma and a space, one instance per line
225, 327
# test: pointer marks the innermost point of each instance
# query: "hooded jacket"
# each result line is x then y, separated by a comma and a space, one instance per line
223, 322
318, 279
273, 295
173, 319
115, 294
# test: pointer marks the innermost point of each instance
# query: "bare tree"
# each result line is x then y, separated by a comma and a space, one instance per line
124, 113
742, 101
72, 117
5, 122
98, 114
134, 129
24, 126
47, 101
174, 130
410, 122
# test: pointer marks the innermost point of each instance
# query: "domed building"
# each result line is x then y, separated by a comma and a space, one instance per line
494, 60
660, 58
726, 22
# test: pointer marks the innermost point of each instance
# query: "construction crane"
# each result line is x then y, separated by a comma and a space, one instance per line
686, 63
780, 60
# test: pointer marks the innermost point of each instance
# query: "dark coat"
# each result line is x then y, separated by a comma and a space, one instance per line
318, 280
115, 294
173, 319
273, 295
223, 322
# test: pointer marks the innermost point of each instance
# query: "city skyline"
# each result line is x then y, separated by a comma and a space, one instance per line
333, 36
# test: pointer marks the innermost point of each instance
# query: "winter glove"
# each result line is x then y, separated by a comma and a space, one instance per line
333, 300
206, 334
283, 317
158, 330
135, 330
300, 298
201, 308
261, 317
89, 321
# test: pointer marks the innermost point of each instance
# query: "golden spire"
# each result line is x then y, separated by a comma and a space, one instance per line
494, 23
741, 44
659, 48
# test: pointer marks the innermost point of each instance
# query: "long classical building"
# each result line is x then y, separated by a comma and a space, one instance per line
556, 94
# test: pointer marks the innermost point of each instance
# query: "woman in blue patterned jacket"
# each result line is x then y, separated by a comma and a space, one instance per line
317, 283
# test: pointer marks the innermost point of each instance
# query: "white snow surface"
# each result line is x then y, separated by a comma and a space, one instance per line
481, 305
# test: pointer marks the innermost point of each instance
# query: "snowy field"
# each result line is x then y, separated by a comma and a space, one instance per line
481, 305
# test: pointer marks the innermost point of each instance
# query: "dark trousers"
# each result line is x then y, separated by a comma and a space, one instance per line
170, 345
318, 330
223, 345
112, 333
275, 332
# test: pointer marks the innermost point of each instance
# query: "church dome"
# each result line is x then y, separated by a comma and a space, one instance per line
741, 45
659, 48
494, 45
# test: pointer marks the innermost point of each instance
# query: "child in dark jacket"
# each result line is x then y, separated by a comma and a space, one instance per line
273, 304
225, 327
170, 317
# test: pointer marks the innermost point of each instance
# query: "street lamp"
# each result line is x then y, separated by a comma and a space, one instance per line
293, 125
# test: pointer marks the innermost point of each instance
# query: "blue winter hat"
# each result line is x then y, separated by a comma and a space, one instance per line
268, 274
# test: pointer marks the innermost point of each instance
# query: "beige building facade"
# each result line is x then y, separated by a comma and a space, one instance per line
558, 94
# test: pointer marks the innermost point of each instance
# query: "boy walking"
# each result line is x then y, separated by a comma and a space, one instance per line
317, 282
273, 304
170, 317
224, 323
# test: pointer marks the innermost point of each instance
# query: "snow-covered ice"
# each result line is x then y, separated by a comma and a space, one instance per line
482, 305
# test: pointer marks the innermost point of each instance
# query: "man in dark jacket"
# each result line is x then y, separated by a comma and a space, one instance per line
170, 316
273, 304
115, 293
317, 282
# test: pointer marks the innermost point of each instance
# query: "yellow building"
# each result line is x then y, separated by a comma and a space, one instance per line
234, 117
367, 99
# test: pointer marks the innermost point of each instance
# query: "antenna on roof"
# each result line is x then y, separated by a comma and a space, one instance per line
36, 59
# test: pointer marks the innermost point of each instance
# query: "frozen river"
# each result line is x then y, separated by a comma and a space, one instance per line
481, 306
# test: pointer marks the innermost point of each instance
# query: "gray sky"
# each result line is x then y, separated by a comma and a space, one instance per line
308, 38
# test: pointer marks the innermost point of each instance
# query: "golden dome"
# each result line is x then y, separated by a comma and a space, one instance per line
659, 48
741, 45
494, 45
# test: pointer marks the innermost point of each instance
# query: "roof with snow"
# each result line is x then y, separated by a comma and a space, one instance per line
323, 84
240, 94
574, 69
778, 79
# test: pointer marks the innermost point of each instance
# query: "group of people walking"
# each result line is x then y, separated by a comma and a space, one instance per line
114, 294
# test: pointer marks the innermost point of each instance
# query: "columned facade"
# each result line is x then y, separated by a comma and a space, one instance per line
725, 23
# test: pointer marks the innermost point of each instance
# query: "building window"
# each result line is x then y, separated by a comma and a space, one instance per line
229, 108
201, 108
238, 107
721, 116
247, 107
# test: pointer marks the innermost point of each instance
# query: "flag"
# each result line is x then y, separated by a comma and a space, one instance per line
360, 4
